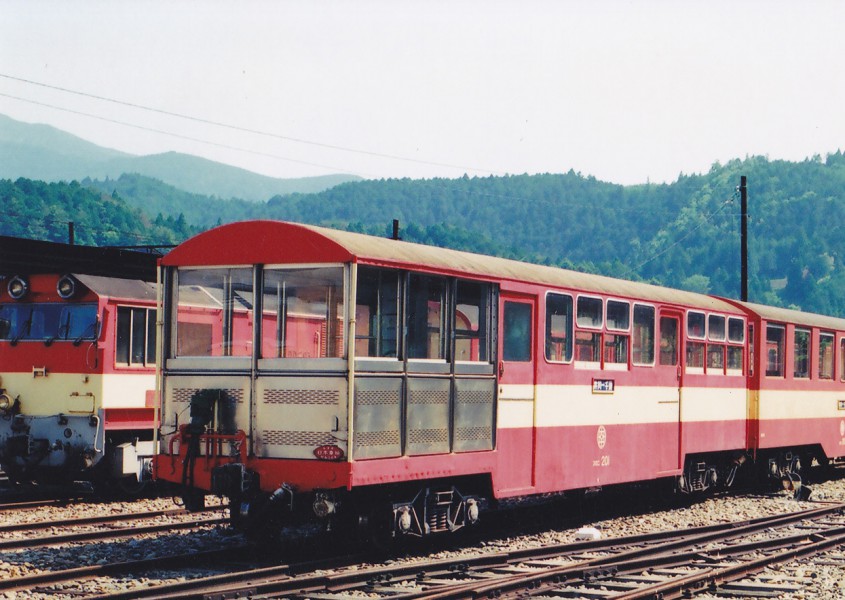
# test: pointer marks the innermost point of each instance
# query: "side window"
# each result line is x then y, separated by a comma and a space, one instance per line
668, 341
826, 359
616, 344
516, 346
559, 323
695, 331
716, 351
643, 335
135, 336
472, 321
426, 323
842, 359
588, 343
802, 354
376, 313
775, 340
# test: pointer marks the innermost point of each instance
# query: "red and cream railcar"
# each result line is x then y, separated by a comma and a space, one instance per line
796, 407
77, 361
404, 386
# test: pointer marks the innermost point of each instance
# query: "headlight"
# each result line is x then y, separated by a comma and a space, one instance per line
18, 287
66, 287
5, 402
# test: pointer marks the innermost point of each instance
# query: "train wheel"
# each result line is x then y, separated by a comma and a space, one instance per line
131, 487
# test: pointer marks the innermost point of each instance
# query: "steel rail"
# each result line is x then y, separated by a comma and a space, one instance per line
665, 544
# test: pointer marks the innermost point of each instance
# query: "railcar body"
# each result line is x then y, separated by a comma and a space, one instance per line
796, 396
77, 361
404, 387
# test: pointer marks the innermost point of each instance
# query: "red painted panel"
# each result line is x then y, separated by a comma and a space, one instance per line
130, 418
257, 242
830, 433
713, 436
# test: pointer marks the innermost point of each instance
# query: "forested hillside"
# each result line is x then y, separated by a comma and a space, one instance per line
684, 234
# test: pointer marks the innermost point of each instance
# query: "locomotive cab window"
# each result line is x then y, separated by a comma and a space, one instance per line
136, 332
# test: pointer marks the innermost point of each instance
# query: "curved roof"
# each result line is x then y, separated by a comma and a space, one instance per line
278, 242
795, 317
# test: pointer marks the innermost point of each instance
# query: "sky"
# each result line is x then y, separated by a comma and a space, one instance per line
625, 91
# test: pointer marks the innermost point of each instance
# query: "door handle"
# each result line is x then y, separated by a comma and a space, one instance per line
501, 368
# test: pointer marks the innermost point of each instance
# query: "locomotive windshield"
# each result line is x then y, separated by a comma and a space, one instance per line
48, 321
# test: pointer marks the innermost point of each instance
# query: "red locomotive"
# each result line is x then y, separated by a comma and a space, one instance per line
401, 387
77, 354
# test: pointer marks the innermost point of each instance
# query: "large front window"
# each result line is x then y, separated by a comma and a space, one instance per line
48, 322
301, 313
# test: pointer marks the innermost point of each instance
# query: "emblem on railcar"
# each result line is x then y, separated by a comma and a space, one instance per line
601, 436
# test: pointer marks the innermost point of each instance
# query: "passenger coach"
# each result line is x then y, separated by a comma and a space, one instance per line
403, 387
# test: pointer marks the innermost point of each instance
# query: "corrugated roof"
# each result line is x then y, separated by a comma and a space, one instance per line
795, 317
393, 252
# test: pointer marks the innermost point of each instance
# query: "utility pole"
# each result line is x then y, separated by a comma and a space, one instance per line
70, 235
743, 196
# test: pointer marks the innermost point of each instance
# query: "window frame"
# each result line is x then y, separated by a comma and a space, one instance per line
653, 309
570, 339
148, 361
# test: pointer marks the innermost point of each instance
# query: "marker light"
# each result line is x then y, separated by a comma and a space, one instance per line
18, 287
66, 287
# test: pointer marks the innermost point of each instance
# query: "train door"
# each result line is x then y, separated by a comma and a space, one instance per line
517, 355
669, 374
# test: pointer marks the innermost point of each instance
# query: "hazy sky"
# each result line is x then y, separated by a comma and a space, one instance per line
624, 91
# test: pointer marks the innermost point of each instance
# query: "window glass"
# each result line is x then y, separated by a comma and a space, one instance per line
589, 312
734, 358
643, 334
302, 313
736, 330
774, 350
472, 321
715, 358
377, 313
135, 336
48, 321
516, 326
826, 346
842, 359
214, 312
695, 354
587, 346
615, 348
802, 354
426, 317
695, 325
618, 315
558, 327
668, 341
716, 328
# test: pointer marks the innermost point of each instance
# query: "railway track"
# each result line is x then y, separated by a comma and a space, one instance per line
660, 565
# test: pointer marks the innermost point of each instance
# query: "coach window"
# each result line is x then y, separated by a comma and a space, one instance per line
842, 359
135, 336
736, 338
695, 349
559, 322
775, 344
802, 354
472, 321
376, 313
516, 327
588, 343
715, 351
642, 346
302, 313
616, 344
214, 312
826, 348
426, 324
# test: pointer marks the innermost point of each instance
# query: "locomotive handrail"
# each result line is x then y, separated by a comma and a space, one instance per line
213, 441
